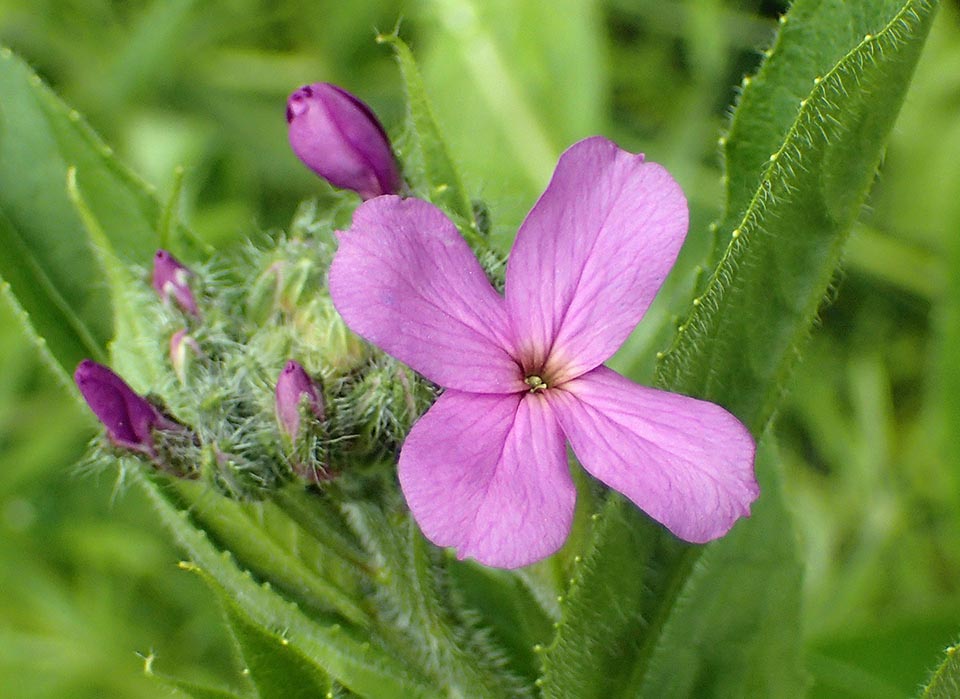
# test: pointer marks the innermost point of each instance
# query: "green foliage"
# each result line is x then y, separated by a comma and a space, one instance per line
428, 152
735, 628
337, 648
274, 670
786, 244
337, 592
604, 610
531, 93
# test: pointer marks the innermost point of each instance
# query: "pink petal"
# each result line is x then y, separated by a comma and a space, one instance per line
488, 475
590, 257
685, 462
405, 280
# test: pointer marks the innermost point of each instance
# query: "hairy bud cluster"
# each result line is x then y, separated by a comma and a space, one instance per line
260, 382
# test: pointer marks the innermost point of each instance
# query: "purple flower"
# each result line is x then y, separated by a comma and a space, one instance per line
293, 386
339, 138
485, 469
129, 418
171, 279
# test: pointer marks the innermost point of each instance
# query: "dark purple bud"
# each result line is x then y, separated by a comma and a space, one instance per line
172, 279
339, 138
129, 418
294, 386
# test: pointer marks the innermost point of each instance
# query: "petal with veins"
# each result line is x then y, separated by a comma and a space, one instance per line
405, 280
488, 475
685, 462
591, 255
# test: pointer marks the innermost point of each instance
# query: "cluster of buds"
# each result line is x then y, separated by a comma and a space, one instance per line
291, 291
133, 422
223, 348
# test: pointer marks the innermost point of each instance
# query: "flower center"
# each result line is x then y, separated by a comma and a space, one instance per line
535, 383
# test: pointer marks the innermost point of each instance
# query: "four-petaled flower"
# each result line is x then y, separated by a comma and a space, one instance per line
485, 469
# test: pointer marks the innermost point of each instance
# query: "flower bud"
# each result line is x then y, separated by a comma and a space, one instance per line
339, 138
129, 418
293, 387
183, 350
171, 279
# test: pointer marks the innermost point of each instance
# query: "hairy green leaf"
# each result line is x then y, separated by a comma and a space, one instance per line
274, 668
945, 683
813, 38
192, 689
741, 337
604, 611
132, 353
353, 659
735, 628
421, 618
268, 543
427, 149
47, 259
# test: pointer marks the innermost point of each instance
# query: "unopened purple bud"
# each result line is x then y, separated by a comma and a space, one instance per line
171, 279
293, 384
129, 418
339, 138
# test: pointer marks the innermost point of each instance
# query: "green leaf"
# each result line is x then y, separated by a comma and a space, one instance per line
735, 629
275, 669
507, 610
268, 543
427, 624
603, 614
47, 261
945, 683
743, 332
132, 353
698, 618
442, 181
813, 38
353, 659
493, 68
197, 691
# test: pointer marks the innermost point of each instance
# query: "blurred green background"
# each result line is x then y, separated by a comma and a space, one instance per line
869, 430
